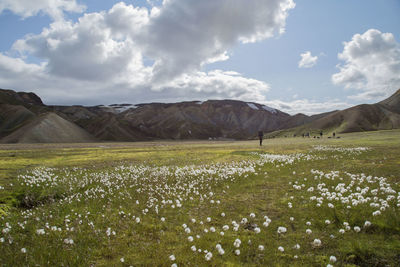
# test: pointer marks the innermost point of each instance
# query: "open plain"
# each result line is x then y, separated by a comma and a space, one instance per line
292, 202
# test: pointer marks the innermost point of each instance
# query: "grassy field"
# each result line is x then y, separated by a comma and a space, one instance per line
291, 202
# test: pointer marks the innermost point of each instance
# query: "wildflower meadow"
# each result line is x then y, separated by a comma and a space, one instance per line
291, 202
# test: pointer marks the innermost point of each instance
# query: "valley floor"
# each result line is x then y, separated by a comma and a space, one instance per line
291, 202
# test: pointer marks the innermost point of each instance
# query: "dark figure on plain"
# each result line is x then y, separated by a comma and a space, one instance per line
260, 136
321, 134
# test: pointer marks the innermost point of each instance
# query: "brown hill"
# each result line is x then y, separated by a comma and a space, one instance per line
384, 115
392, 103
48, 128
24, 118
185, 120
13, 117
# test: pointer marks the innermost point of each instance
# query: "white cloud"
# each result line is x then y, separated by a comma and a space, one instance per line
371, 65
99, 46
54, 8
137, 54
307, 60
219, 84
187, 33
306, 106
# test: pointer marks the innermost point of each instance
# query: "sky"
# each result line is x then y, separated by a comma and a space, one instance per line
299, 56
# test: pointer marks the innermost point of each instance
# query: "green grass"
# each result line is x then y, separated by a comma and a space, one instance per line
90, 192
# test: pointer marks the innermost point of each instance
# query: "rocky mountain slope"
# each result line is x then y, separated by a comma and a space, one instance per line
24, 118
49, 128
384, 115
185, 120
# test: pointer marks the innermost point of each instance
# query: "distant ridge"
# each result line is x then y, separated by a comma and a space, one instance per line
384, 115
25, 119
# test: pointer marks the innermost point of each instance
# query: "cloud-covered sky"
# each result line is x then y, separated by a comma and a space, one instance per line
303, 56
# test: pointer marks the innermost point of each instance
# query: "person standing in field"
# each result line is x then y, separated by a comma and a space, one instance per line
260, 136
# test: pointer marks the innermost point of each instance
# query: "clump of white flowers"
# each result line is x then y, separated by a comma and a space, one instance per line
281, 230
69, 241
317, 242
220, 250
332, 259
237, 243
208, 256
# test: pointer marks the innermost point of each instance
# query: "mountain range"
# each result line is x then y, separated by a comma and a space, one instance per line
24, 118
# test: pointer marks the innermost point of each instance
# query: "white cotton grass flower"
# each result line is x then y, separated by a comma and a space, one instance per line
237, 243
357, 229
122, 260
291, 219
172, 257
281, 249
174, 265
220, 250
212, 229
367, 224
297, 246
40, 231
281, 230
266, 224
376, 213
223, 214
208, 219
237, 252
308, 231
252, 215
222, 233
162, 219
327, 222
341, 231
308, 223
225, 227
332, 259
193, 248
187, 230
208, 256
317, 242
68, 241
261, 248
190, 238
257, 230
23, 250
